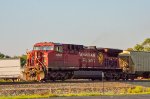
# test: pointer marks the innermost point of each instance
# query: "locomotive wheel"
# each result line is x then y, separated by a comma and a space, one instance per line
40, 76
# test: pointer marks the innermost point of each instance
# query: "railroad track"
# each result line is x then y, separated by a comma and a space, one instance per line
69, 81
69, 86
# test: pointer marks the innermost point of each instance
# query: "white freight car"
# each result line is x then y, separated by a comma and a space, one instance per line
10, 68
136, 62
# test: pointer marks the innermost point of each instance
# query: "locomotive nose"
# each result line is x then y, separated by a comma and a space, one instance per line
38, 54
38, 57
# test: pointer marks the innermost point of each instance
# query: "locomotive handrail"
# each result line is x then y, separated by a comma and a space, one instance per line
40, 62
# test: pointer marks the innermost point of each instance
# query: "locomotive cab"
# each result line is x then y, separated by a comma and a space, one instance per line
37, 61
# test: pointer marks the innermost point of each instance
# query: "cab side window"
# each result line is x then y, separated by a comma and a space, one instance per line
59, 48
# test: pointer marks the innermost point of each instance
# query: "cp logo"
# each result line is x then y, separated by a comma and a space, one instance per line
100, 58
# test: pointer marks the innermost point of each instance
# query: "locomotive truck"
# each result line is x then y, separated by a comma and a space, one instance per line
57, 61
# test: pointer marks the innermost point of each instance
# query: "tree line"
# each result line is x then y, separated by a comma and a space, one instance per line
143, 46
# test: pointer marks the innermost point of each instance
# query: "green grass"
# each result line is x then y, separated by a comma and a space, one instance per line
27, 96
68, 95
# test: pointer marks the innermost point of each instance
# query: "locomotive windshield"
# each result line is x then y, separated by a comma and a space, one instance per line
43, 48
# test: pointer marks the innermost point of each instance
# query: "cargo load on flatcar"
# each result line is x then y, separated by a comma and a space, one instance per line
10, 68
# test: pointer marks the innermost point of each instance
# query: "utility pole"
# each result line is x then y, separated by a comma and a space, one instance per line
103, 81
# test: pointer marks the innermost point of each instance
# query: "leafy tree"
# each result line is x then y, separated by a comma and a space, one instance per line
23, 60
2, 55
146, 42
130, 49
138, 47
144, 46
6, 56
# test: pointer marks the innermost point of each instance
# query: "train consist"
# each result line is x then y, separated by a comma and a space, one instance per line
56, 61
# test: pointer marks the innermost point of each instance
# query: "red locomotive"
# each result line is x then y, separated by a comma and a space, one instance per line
56, 61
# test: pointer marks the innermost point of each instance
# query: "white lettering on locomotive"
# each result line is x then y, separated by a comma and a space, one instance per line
59, 55
87, 54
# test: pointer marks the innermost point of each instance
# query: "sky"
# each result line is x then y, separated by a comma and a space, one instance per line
104, 23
